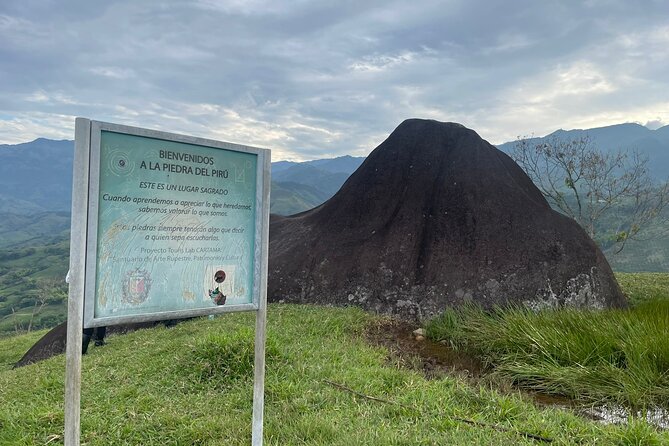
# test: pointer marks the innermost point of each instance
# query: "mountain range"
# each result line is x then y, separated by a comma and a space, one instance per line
35, 186
35, 177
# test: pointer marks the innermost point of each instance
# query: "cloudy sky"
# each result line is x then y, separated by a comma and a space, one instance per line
313, 79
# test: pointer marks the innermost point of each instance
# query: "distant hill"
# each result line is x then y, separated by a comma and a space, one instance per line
297, 187
291, 198
342, 164
308, 175
652, 143
17, 206
40, 228
36, 176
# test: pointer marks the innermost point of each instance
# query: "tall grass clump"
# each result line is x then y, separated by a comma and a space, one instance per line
609, 355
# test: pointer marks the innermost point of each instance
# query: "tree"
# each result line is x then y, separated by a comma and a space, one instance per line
50, 291
588, 185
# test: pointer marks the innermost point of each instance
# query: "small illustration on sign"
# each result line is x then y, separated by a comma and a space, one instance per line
216, 294
136, 286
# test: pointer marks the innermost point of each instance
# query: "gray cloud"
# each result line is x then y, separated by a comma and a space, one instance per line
313, 79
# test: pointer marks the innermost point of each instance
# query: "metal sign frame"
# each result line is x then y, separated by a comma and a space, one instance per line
83, 245
97, 128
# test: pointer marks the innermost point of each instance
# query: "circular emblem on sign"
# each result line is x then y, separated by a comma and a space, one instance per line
136, 286
119, 163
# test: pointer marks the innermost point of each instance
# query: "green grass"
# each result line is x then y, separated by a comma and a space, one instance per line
641, 287
192, 385
620, 356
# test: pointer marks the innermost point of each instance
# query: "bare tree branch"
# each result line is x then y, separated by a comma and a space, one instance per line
587, 184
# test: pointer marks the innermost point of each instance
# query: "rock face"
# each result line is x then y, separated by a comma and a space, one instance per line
55, 340
51, 344
437, 216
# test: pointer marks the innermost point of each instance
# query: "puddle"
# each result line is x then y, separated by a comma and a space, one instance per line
615, 414
543, 399
606, 413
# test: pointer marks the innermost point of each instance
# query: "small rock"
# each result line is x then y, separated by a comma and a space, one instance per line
419, 332
443, 342
420, 338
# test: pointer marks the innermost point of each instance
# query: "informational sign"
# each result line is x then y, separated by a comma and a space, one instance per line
173, 226
164, 226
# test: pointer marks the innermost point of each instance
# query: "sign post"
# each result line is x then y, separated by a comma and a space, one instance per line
164, 226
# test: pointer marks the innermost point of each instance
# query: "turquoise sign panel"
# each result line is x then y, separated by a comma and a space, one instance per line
176, 226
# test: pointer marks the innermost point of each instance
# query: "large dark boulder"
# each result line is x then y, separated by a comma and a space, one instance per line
437, 216
55, 340
51, 344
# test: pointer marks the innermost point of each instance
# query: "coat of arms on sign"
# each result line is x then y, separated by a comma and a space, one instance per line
136, 286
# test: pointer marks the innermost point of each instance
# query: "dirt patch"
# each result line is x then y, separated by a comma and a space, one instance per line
437, 360
434, 359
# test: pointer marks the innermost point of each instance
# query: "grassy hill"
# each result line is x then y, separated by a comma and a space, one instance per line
650, 253
38, 172
292, 198
25, 274
192, 384
41, 228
